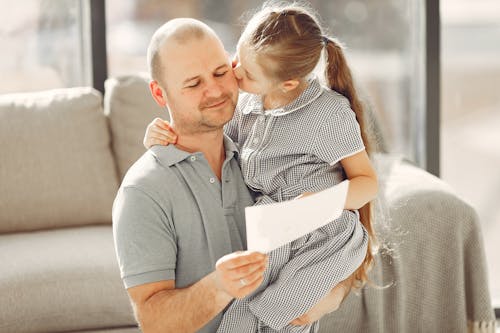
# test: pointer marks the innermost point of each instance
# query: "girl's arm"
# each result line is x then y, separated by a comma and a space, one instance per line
363, 184
159, 132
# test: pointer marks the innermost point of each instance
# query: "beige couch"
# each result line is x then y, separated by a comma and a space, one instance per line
62, 156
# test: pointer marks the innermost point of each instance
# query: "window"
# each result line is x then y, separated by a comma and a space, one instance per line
384, 41
44, 45
471, 115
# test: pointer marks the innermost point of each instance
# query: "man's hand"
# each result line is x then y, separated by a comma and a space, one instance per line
240, 273
329, 303
303, 195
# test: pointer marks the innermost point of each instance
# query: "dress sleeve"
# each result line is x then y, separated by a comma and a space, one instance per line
145, 241
339, 137
231, 129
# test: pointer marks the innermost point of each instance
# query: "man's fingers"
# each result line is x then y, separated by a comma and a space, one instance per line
256, 275
249, 275
244, 271
241, 273
244, 291
235, 260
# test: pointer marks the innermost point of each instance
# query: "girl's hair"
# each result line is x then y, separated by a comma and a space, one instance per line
288, 42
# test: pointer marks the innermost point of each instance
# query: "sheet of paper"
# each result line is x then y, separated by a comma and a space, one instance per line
270, 226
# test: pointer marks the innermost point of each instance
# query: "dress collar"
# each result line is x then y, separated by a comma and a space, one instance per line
312, 92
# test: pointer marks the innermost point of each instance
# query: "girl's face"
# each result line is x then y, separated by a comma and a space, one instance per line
249, 73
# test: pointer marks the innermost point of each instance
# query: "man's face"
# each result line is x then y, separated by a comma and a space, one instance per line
201, 90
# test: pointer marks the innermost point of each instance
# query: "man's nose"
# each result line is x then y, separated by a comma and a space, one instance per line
213, 89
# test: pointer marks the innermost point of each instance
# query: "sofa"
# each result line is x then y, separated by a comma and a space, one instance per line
63, 154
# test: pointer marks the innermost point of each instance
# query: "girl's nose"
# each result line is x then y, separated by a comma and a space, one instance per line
238, 71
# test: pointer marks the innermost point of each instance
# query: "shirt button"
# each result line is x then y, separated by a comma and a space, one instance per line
212, 180
193, 158
261, 119
256, 140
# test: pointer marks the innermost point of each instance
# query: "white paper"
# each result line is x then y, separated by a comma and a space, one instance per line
271, 226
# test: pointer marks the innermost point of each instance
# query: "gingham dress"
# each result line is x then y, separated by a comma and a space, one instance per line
285, 152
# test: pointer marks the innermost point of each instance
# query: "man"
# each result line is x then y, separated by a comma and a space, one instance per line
180, 209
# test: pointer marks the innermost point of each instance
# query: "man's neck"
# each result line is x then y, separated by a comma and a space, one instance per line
211, 144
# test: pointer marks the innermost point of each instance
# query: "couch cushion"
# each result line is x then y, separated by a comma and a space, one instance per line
130, 108
56, 166
61, 280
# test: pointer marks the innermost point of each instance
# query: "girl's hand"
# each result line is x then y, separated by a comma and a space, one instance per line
159, 132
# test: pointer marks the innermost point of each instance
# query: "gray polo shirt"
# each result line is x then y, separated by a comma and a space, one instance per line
173, 219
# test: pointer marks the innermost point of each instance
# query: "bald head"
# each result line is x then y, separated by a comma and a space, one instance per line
178, 31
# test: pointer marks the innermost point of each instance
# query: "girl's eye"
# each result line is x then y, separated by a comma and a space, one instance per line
248, 76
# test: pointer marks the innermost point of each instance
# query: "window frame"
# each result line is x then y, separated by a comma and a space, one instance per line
98, 44
432, 99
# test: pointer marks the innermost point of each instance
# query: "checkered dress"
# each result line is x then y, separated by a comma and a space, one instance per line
283, 153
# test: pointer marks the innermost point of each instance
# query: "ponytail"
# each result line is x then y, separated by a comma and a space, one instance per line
339, 78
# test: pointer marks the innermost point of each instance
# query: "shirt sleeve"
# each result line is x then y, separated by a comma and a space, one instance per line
339, 137
145, 241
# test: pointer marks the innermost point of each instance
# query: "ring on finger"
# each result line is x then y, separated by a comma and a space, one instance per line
243, 282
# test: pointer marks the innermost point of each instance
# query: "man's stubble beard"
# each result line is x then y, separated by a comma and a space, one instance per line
206, 123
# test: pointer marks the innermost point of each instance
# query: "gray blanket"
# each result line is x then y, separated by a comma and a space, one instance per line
434, 271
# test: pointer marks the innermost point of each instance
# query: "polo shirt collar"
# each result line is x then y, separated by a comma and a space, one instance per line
171, 155
311, 93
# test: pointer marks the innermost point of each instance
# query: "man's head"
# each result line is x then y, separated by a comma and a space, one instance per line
191, 75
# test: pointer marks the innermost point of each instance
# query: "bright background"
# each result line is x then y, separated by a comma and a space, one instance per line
46, 44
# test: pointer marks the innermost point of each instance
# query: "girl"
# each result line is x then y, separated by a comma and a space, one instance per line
297, 137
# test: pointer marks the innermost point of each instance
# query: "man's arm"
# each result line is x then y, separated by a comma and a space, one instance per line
160, 307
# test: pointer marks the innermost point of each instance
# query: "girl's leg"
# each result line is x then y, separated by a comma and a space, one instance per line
330, 256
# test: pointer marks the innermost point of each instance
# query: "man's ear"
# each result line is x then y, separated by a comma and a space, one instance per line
158, 93
289, 85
